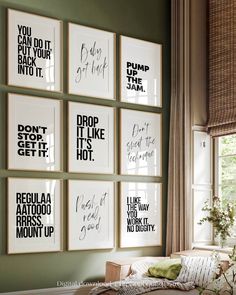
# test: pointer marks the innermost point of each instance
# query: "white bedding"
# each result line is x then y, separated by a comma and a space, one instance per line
173, 292
134, 286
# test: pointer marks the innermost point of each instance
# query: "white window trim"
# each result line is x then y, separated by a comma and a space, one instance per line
230, 241
216, 168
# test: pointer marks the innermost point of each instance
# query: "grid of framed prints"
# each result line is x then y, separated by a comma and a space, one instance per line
34, 51
140, 217
91, 62
141, 72
35, 137
91, 214
140, 143
34, 215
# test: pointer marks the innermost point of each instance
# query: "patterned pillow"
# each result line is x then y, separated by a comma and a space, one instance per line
221, 285
199, 270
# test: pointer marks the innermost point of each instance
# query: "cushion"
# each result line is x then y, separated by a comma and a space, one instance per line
168, 269
200, 270
140, 268
119, 269
221, 285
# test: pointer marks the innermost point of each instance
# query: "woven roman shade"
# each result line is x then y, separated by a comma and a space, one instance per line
222, 67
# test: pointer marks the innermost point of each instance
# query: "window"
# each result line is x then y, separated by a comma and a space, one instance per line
225, 168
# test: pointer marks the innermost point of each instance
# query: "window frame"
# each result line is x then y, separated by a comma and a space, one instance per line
231, 241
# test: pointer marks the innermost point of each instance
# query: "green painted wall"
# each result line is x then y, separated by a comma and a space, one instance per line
148, 20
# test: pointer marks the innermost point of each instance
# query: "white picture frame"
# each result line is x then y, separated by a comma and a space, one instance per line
34, 133
91, 62
34, 215
140, 214
34, 51
141, 143
91, 215
141, 72
91, 138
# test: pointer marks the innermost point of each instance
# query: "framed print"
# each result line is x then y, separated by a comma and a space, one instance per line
34, 51
141, 142
140, 214
34, 215
141, 72
91, 214
91, 138
34, 133
91, 62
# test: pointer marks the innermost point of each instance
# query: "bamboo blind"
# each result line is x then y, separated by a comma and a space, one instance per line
222, 67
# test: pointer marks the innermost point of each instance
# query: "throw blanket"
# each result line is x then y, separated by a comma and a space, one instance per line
140, 286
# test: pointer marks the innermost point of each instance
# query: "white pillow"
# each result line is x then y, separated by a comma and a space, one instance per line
140, 268
199, 270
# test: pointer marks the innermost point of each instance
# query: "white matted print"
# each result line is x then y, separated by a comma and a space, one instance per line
91, 214
34, 133
91, 138
91, 62
141, 143
34, 215
141, 72
34, 51
141, 214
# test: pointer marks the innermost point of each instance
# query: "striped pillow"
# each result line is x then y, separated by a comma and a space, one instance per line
140, 268
199, 270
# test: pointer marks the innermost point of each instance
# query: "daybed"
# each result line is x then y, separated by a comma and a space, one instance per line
119, 270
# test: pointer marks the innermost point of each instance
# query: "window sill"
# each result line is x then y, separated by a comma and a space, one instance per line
226, 250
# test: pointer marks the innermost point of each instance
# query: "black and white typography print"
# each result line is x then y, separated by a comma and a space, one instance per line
34, 215
134, 81
30, 50
141, 143
140, 214
34, 51
34, 133
91, 215
91, 138
137, 215
31, 141
87, 131
91, 62
31, 208
141, 72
